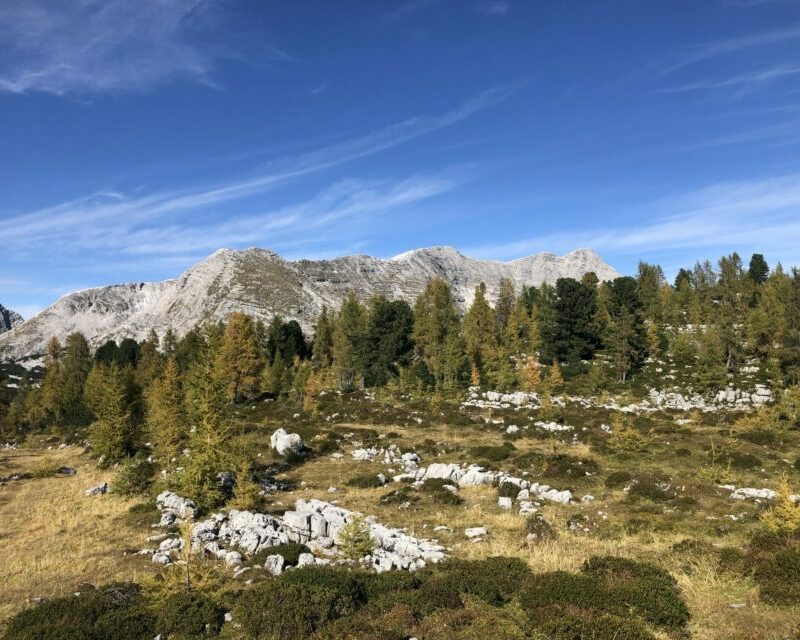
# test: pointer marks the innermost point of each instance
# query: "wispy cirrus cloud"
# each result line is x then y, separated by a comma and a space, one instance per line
708, 50
163, 224
97, 46
111, 207
761, 215
741, 84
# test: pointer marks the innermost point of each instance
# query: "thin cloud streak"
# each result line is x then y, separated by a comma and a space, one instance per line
110, 207
734, 45
761, 214
89, 47
741, 84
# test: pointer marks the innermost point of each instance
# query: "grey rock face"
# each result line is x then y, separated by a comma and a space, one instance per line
262, 284
9, 319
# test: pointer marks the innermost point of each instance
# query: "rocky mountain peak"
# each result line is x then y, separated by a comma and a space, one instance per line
9, 319
262, 284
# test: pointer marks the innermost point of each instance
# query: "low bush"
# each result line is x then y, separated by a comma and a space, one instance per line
645, 587
189, 615
537, 528
290, 551
371, 624
403, 495
367, 481
618, 479
135, 477
507, 490
494, 580
563, 623
349, 587
436, 487
778, 578
113, 612
566, 466
739, 460
475, 621
282, 610
649, 487
493, 453
762, 437
607, 588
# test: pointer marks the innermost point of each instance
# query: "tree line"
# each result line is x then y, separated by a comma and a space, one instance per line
169, 394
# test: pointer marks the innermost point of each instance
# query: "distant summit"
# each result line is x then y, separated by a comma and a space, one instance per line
9, 319
262, 284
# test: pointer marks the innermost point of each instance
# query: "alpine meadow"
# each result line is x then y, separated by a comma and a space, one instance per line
502, 435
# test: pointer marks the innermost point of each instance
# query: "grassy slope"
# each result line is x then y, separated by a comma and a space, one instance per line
53, 537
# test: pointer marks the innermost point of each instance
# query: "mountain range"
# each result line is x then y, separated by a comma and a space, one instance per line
262, 284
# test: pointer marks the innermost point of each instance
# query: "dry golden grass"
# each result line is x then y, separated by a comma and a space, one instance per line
708, 593
53, 538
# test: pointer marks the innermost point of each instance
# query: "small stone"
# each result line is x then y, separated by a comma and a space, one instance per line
274, 564
504, 502
475, 532
305, 559
97, 490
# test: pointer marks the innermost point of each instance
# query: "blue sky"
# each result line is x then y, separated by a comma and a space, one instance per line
138, 137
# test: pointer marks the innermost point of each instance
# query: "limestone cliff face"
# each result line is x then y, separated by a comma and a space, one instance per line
262, 284
9, 319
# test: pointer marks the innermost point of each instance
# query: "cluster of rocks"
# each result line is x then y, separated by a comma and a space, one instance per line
729, 398
174, 509
476, 475
657, 400
233, 536
745, 493
391, 455
498, 400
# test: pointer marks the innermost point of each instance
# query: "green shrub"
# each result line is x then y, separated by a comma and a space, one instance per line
507, 490
131, 623
116, 608
762, 437
367, 481
135, 477
566, 466
650, 488
607, 586
399, 496
290, 551
646, 588
436, 488
492, 453
778, 578
740, 460
437, 592
349, 587
494, 580
376, 584
371, 624
561, 623
537, 528
618, 479
475, 621
282, 610
189, 615
730, 560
